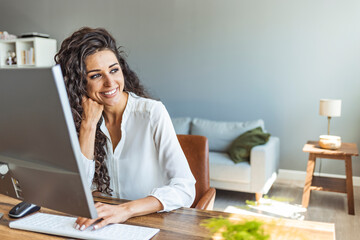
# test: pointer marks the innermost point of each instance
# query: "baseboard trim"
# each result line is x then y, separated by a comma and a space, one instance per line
285, 174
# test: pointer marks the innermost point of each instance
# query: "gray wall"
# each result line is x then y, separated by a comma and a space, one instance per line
231, 60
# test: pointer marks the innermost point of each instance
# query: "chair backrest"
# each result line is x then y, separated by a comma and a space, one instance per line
196, 150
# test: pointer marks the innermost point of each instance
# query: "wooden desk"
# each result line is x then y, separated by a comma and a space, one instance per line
182, 224
345, 152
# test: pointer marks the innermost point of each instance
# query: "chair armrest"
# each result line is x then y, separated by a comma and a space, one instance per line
264, 161
206, 202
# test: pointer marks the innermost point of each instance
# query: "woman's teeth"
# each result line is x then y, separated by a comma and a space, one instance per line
111, 92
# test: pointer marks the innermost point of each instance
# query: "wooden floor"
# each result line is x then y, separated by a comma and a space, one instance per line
323, 206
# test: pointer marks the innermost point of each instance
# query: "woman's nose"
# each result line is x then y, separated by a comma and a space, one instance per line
108, 80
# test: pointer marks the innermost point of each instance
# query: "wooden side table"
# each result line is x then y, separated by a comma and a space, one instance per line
345, 152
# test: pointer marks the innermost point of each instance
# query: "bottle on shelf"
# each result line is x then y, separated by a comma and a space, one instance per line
10, 58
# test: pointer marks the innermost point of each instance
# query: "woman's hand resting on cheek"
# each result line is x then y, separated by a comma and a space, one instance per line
92, 111
90, 117
106, 214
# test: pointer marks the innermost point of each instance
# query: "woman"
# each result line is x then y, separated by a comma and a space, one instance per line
130, 137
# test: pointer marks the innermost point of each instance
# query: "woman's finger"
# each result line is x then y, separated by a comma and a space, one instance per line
79, 222
84, 98
102, 223
84, 223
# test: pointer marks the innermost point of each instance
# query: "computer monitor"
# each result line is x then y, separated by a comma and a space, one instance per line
39, 143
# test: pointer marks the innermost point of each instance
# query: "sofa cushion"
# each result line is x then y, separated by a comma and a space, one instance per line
240, 148
222, 134
223, 169
181, 125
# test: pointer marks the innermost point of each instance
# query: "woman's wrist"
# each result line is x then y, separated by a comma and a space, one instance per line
88, 125
128, 209
141, 207
87, 139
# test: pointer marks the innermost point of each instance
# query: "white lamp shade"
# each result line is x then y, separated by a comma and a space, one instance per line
330, 107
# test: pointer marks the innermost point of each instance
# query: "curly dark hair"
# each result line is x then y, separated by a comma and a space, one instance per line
71, 57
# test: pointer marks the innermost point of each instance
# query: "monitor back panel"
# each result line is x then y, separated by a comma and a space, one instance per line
38, 141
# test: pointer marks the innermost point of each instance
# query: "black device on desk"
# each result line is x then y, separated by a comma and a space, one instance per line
40, 158
23, 209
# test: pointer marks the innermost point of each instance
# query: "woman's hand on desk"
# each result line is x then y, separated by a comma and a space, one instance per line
120, 213
108, 214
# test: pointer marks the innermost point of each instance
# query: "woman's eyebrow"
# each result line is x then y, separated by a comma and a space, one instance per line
94, 70
113, 65
98, 70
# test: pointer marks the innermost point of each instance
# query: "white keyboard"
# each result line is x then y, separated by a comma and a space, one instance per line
64, 226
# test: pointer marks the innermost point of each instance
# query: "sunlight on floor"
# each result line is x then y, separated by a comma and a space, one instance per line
270, 207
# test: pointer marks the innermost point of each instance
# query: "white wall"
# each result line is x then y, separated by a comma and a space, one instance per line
230, 59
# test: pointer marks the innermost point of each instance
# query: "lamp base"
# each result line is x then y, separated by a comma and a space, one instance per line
330, 142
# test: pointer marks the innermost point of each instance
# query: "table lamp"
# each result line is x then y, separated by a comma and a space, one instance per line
330, 108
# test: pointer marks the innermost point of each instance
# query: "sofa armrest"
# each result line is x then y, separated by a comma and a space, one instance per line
264, 161
206, 202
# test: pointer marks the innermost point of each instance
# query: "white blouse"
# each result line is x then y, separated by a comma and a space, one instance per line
148, 160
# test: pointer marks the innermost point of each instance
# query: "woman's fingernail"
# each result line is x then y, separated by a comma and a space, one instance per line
82, 227
96, 227
77, 226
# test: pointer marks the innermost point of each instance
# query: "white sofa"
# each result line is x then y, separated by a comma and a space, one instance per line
256, 176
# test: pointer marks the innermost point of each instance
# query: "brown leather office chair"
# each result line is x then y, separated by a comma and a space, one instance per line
196, 150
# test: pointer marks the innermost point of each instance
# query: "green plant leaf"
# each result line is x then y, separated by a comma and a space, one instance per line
241, 230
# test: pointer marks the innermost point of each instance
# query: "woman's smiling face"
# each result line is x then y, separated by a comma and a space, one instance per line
105, 80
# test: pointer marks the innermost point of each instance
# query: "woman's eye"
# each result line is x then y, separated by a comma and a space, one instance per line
114, 70
94, 76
